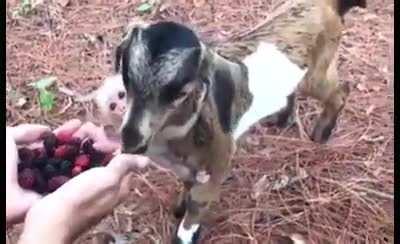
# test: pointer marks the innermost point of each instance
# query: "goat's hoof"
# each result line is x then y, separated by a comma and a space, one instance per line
186, 236
280, 119
322, 133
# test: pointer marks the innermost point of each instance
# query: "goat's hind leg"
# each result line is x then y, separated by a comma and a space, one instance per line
285, 117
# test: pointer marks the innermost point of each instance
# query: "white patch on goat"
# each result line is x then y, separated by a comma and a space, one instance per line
186, 235
144, 125
272, 77
129, 103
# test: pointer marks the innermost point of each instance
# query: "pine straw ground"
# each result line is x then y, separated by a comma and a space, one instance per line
282, 183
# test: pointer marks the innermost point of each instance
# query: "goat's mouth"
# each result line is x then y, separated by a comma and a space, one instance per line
136, 150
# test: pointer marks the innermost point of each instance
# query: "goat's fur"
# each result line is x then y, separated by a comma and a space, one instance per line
308, 32
183, 105
174, 82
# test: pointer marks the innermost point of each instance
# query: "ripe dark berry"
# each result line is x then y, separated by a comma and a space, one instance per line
54, 161
66, 152
83, 161
75, 141
49, 143
107, 158
76, 170
97, 156
22, 165
65, 167
87, 146
40, 153
55, 182
49, 170
26, 154
63, 138
40, 185
39, 163
26, 178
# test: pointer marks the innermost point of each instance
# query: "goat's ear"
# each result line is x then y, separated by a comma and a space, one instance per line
225, 78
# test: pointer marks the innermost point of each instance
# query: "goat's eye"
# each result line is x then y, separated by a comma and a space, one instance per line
180, 95
113, 106
121, 94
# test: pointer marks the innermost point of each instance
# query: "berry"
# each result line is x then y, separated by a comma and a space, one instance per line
75, 141
65, 167
40, 153
49, 143
54, 161
97, 156
26, 154
55, 182
40, 185
87, 147
26, 178
66, 152
39, 163
83, 161
49, 170
22, 165
63, 138
107, 158
76, 170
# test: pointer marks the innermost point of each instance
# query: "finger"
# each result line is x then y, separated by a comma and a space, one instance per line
88, 130
27, 133
18, 204
106, 146
125, 187
69, 127
123, 163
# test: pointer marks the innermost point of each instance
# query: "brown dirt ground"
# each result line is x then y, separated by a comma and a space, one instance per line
344, 190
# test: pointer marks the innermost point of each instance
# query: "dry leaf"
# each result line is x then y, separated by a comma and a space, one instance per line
376, 88
199, 3
361, 87
64, 3
259, 187
369, 110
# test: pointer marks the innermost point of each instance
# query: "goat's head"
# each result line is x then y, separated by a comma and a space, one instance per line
167, 73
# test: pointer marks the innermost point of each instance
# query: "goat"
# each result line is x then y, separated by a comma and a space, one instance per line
308, 32
187, 104
183, 102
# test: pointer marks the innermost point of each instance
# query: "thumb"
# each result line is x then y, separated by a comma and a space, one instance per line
27, 133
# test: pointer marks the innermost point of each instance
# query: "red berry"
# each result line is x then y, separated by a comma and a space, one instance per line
107, 158
75, 141
49, 142
63, 138
40, 153
82, 161
76, 170
26, 178
66, 152
55, 182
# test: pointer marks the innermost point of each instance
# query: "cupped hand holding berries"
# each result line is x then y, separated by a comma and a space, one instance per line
78, 195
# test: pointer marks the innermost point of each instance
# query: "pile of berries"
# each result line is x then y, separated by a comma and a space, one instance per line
62, 157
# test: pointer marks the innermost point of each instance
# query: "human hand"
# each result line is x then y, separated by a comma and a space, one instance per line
80, 203
86, 198
19, 200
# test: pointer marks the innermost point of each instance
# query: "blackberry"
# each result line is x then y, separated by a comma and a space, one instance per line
49, 143
49, 170
26, 154
76, 142
87, 147
39, 163
55, 161
65, 167
40, 185
55, 182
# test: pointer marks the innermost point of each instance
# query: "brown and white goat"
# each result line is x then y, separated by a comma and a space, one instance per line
308, 32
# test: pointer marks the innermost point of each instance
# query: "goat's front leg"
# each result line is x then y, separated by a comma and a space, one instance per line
197, 203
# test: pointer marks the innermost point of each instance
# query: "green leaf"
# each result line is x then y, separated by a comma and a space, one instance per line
144, 7
46, 99
44, 83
